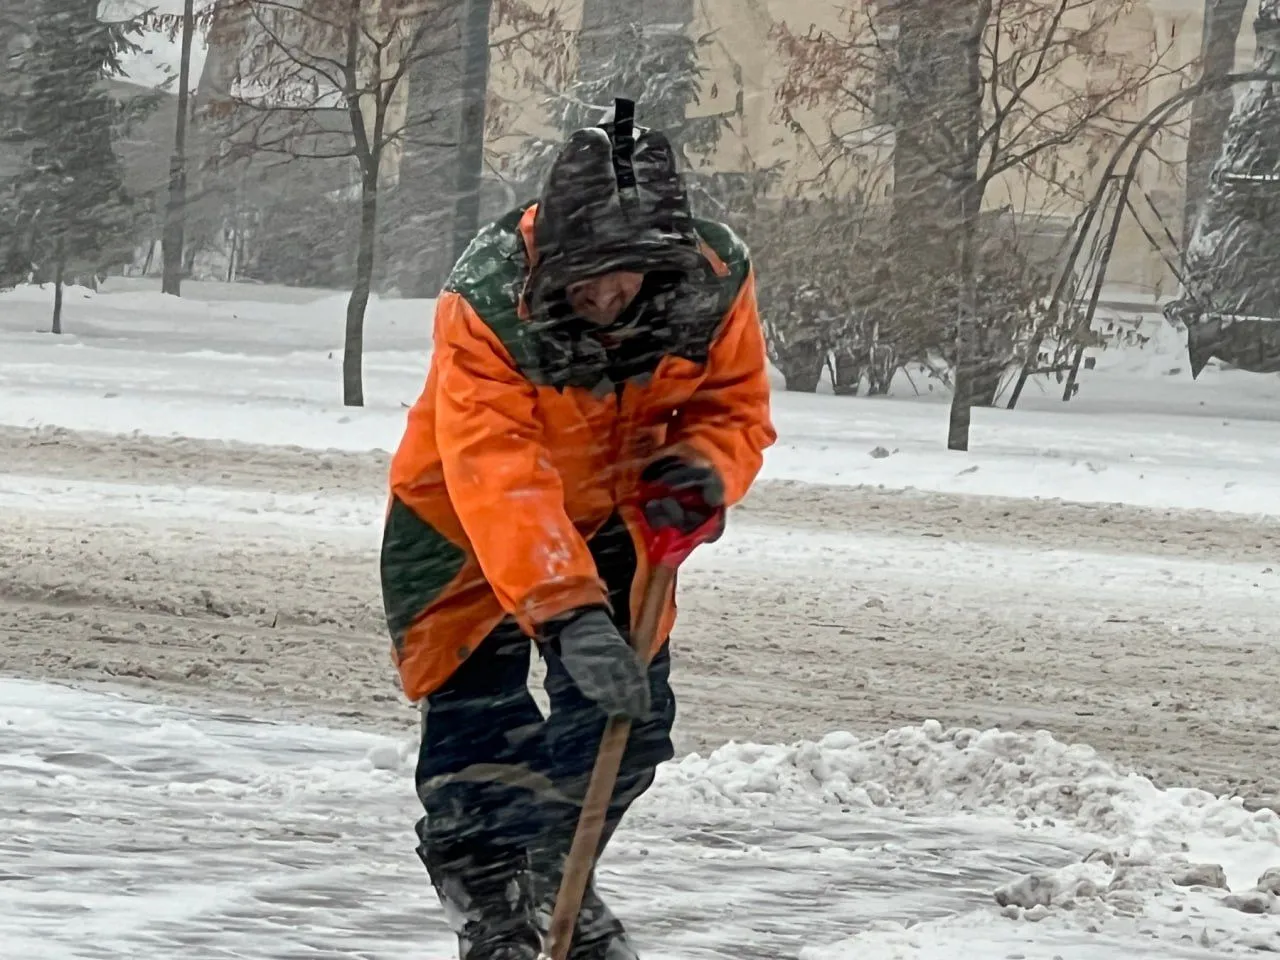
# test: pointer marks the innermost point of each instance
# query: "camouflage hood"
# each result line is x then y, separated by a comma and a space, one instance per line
613, 200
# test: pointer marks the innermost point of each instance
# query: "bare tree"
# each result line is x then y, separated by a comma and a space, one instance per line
325, 80
970, 92
182, 28
175, 207
452, 109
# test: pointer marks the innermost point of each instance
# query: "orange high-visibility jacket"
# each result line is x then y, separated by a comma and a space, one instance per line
511, 461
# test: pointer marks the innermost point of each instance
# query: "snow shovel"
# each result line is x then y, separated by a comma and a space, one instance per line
666, 549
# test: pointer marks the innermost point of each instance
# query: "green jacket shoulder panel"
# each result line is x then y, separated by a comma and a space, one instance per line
489, 275
728, 246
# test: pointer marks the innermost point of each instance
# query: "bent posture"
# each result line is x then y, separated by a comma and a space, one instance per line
598, 366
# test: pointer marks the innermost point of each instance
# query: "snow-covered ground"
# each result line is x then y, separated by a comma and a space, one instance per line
189, 519
262, 365
144, 831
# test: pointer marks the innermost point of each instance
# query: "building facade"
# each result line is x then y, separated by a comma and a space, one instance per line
1159, 41
744, 69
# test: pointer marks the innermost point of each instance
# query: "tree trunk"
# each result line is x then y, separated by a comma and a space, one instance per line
59, 273
1210, 113
968, 348
233, 256
801, 367
418, 229
175, 209
475, 88
846, 374
353, 347
973, 359
927, 99
936, 112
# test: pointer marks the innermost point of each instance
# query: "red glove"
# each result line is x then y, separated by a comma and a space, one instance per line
683, 496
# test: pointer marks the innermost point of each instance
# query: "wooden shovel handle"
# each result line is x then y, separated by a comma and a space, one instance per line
604, 776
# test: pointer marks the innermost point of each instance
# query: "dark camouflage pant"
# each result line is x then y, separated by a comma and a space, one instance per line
493, 772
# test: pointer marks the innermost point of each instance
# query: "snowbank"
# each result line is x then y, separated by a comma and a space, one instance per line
262, 364
921, 844
1165, 866
928, 770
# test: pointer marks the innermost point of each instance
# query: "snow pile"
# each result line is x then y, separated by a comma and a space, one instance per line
1140, 879
930, 770
1110, 899
971, 936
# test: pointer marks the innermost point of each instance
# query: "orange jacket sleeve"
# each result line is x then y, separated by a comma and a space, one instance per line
500, 477
727, 423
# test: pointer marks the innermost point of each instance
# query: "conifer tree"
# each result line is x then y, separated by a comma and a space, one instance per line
71, 194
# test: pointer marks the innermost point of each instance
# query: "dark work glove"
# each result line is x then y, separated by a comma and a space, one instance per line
603, 665
683, 495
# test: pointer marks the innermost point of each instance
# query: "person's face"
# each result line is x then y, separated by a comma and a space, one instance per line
602, 299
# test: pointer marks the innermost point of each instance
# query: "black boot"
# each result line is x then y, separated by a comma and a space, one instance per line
487, 901
599, 934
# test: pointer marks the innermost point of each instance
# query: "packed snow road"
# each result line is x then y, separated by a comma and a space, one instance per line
194, 568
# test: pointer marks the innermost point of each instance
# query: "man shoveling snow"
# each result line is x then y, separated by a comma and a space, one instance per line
598, 376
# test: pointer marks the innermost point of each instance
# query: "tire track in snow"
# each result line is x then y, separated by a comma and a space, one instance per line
295, 471
898, 623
